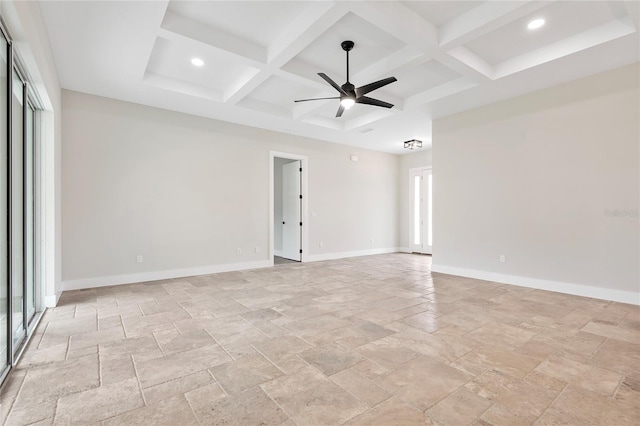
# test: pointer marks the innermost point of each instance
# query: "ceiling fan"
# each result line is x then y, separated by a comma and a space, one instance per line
349, 94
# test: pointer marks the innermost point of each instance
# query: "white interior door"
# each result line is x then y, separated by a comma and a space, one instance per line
421, 211
291, 210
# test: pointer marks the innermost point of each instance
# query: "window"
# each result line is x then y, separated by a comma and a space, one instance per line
421, 211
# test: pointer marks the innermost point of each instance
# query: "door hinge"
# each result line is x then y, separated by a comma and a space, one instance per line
300, 223
301, 196
301, 251
300, 168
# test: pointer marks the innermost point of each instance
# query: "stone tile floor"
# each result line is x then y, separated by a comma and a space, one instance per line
375, 340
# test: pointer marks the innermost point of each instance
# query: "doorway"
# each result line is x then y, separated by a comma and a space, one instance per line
288, 207
421, 207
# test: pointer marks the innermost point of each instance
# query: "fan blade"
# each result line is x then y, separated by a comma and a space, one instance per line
340, 111
332, 83
375, 102
373, 86
316, 99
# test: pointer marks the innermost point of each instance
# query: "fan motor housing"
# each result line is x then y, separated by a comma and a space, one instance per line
347, 45
349, 88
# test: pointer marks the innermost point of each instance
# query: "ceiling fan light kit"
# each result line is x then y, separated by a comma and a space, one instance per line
349, 94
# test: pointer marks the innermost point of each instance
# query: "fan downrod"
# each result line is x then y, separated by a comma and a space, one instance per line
347, 45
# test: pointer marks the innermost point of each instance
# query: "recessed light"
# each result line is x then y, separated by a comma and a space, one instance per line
535, 24
197, 62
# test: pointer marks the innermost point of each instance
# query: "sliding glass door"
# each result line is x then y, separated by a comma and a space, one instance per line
19, 299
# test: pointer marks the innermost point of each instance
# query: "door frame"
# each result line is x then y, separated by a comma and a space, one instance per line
412, 171
304, 160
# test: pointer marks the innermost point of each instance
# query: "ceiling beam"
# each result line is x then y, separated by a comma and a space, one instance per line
442, 91
484, 18
190, 29
584, 40
474, 63
316, 19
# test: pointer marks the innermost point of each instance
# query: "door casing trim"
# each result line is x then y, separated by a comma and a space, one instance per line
304, 160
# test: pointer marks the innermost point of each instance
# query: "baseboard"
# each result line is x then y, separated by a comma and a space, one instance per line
277, 253
540, 284
345, 254
404, 250
51, 301
159, 275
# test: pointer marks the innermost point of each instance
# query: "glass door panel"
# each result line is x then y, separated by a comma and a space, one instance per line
421, 211
428, 220
17, 209
4, 192
29, 198
417, 200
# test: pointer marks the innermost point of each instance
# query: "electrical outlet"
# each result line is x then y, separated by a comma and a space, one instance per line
257, 249
321, 244
372, 241
239, 251
503, 258
139, 259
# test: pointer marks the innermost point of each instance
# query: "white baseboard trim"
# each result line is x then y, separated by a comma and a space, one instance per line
277, 253
345, 254
51, 301
83, 283
404, 250
540, 284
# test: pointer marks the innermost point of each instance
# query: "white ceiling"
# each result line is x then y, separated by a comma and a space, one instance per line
448, 56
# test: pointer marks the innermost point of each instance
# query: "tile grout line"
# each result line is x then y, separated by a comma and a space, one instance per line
551, 404
99, 367
485, 411
597, 349
376, 405
55, 410
620, 382
155, 339
66, 354
227, 395
43, 334
268, 359
135, 370
195, 415
16, 398
220, 344
289, 417
253, 326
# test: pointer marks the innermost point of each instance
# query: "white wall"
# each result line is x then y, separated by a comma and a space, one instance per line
414, 160
185, 192
24, 22
533, 177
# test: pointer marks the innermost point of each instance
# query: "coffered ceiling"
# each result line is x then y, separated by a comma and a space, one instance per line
259, 56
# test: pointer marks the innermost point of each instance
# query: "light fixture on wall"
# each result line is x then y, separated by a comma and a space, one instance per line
413, 144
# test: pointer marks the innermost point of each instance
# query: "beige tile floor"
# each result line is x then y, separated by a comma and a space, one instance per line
375, 340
